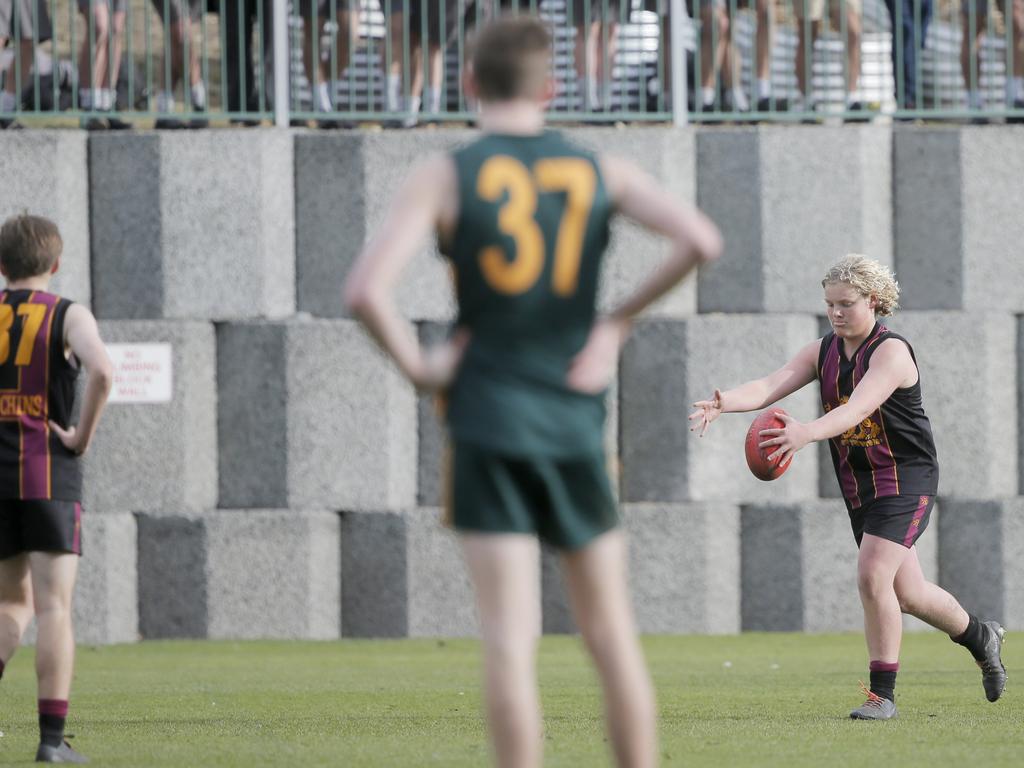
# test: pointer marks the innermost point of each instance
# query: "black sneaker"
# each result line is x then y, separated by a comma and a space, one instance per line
62, 754
1018, 104
169, 124
10, 125
856, 112
993, 673
768, 104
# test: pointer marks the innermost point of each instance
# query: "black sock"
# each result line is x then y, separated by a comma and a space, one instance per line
52, 714
883, 679
1, 669
973, 638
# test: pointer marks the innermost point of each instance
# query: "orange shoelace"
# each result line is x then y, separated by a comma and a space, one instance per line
874, 700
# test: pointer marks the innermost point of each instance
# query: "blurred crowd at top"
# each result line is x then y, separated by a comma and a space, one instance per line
111, 64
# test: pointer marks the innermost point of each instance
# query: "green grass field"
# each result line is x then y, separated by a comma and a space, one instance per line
751, 700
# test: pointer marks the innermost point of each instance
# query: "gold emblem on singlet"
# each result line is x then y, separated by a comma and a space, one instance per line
863, 435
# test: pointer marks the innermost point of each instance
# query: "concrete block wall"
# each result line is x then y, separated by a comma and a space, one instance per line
293, 462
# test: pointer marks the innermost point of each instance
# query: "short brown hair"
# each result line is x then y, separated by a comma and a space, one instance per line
512, 58
29, 246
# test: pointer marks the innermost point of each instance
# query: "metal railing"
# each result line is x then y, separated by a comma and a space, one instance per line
187, 63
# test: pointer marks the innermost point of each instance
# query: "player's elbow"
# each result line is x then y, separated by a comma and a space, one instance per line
357, 298
709, 245
103, 374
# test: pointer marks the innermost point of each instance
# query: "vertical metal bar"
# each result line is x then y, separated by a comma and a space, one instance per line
280, 30
677, 60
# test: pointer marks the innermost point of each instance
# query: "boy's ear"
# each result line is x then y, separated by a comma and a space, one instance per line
55, 267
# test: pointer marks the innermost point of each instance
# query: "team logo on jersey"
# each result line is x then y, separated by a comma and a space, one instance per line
21, 405
863, 435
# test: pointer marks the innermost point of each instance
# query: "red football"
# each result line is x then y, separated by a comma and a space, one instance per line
757, 457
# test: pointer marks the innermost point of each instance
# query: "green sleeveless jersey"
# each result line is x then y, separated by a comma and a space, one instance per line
526, 252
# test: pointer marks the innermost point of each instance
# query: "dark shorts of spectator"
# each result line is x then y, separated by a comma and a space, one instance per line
25, 20
116, 6
439, 26
598, 10
173, 11
328, 9
980, 9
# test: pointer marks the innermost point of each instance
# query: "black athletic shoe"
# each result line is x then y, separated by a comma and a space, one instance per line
856, 112
769, 104
10, 125
993, 673
169, 124
1016, 119
62, 754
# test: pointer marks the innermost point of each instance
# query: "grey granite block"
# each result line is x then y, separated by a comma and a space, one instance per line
666, 366
403, 576
106, 607
46, 173
791, 200
240, 574
968, 358
336, 422
193, 225
799, 568
159, 456
957, 219
981, 547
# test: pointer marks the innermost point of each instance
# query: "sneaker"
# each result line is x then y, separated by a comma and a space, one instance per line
875, 708
62, 754
769, 104
10, 125
1018, 104
993, 673
856, 112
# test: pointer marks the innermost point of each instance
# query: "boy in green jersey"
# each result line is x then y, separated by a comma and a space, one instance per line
523, 216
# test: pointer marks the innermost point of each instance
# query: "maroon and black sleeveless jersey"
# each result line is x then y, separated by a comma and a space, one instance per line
37, 384
891, 452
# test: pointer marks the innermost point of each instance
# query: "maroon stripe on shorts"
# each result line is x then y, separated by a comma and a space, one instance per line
915, 524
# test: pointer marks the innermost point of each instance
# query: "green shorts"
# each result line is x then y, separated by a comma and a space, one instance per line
566, 502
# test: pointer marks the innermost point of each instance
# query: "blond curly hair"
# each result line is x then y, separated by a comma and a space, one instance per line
869, 278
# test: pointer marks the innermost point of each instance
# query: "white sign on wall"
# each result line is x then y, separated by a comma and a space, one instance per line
142, 373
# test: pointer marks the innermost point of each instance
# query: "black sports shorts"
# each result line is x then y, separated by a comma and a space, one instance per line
39, 525
901, 519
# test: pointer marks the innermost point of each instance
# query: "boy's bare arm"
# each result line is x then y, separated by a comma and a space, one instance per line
82, 335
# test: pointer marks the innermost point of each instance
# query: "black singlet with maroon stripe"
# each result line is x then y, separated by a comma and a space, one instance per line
891, 452
37, 384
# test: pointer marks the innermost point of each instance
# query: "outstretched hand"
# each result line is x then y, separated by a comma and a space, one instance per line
787, 440
707, 411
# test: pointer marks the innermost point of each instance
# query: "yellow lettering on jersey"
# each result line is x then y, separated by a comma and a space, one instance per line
12, 405
6, 321
577, 178
499, 175
34, 315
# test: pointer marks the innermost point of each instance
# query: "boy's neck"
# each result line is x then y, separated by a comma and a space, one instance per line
37, 283
520, 118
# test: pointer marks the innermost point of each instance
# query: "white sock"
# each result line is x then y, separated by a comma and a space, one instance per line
974, 100
739, 100
394, 92
592, 94
707, 96
8, 102
107, 99
323, 98
433, 100
165, 102
85, 98
1018, 89
199, 96
412, 104
764, 89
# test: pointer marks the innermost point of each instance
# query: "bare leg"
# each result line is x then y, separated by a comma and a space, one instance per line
15, 604
94, 53
805, 48
928, 602
853, 35
53, 582
970, 50
505, 569
765, 28
877, 565
596, 580
713, 48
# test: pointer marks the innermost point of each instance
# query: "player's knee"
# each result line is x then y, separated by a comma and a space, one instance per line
871, 583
